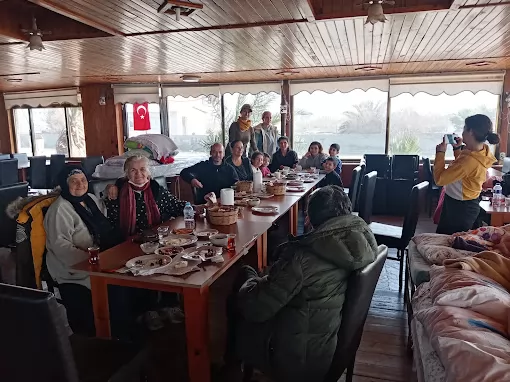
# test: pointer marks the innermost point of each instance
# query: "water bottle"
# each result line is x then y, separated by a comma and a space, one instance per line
189, 216
498, 199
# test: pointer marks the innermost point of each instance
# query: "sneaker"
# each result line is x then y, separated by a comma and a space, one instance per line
152, 320
175, 314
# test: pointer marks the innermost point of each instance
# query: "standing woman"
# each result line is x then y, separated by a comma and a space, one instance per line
240, 163
242, 130
266, 135
314, 157
464, 177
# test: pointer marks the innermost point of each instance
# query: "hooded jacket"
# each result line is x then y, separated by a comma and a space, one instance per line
464, 177
303, 295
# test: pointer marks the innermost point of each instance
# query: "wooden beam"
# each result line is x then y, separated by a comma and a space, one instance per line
456, 4
6, 129
387, 11
68, 12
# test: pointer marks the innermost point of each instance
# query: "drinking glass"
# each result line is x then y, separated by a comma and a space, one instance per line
231, 242
93, 255
163, 232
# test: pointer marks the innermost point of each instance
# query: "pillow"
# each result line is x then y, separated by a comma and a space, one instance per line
137, 152
159, 145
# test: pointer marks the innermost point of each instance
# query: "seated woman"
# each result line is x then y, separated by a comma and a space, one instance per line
285, 323
314, 157
285, 157
73, 223
141, 202
241, 164
257, 159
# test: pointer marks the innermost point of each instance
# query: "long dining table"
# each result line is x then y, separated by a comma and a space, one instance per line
250, 229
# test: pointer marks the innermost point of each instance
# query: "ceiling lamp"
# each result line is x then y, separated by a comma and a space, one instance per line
178, 8
34, 36
376, 12
368, 68
190, 78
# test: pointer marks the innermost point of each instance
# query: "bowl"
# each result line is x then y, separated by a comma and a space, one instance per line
149, 247
253, 202
219, 239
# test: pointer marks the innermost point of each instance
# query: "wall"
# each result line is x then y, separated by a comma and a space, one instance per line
6, 138
103, 133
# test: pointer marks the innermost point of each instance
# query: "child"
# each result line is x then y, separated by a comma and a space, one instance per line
331, 178
265, 165
334, 150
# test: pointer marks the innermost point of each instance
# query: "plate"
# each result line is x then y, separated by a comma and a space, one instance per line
262, 195
191, 267
265, 210
295, 183
295, 189
203, 253
179, 240
204, 234
169, 251
147, 262
182, 231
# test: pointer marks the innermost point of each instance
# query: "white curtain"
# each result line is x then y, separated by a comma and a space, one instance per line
136, 94
251, 88
42, 98
190, 91
343, 86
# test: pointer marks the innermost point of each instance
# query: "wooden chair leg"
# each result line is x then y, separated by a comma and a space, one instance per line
350, 371
400, 269
247, 373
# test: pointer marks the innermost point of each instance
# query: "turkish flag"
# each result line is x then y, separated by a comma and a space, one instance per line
141, 116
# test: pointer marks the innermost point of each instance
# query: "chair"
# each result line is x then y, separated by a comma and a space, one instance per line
97, 186
89, 164
22, 158
355, 186
37, 173
405, 167
367, 196
8, 172
57, 163
360, 290
5, 156
434, 191
380, 163
8, 194
33, 330
399, 237
162, 181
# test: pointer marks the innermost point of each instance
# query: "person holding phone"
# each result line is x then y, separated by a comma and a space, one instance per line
464, 176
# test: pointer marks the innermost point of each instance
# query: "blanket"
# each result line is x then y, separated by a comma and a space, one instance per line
496, 239
437, 248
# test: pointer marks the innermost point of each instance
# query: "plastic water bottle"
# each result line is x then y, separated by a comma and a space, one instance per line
498, 199
189, 216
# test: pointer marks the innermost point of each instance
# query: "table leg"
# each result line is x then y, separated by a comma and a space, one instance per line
22, 174
196, 313
262, 251
99, 289
293, 218
497, 220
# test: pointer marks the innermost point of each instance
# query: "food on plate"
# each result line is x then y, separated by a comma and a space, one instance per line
177, 241
183, 231
181, 264
170, 251
206, 232
158, 262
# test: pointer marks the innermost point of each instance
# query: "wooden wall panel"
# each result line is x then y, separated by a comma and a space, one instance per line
102, 135
6, 136
504, 120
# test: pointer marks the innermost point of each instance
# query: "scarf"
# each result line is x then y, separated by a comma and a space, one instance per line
244, 125
128, 207
97, 224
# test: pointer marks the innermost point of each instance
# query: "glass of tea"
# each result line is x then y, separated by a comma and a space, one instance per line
231, 242
93, 255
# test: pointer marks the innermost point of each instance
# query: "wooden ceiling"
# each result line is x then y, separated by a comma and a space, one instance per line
242, 40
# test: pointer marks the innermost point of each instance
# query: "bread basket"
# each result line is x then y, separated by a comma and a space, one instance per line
222, 215
276, 188
244, 185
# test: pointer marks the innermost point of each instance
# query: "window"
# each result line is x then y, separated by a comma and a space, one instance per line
51, 130
418, 123
356, 120
194, 124
154, 116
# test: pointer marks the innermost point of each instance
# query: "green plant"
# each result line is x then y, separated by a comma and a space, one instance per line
458, 118
213, 136
368, 117
405, 142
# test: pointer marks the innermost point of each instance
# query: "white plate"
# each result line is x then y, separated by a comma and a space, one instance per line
206, 233
265, 210
179, 240
147, 262
295, 189
200, 254
161, 251
295, 183
262, 195
172, 271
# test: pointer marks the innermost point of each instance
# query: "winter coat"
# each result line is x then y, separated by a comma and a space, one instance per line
303, 295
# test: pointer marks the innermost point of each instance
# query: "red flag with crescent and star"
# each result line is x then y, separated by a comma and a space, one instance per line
141, 116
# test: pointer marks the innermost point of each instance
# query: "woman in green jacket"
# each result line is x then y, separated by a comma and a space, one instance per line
285, 324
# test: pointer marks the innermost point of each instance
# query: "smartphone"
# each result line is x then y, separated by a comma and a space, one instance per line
450, 139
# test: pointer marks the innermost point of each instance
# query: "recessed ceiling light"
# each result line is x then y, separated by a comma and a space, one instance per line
480, 63
368, 68
13, 79
190, 78
287, 72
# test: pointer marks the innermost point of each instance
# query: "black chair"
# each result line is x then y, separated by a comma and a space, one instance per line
5, 156
399, 237
97, 186
8, 172
355, 186
8, 194
57, 163
380, 163
89, 164
434, 191
37, 174
360, 290
367, 196
36, 345
405, 167
22, 158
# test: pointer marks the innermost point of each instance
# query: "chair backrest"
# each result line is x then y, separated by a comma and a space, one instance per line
97, 186
8, 172
355, 186
89, 164
22, 159
8, 194
57, 163
162, 181
35, 344
427, 170
367, 196
360, 290
37, 172
378, 162
5, 156
418, 194
405, 166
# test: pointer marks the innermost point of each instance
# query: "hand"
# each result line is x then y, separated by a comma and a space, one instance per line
441, 148
112, 191
307, 155
458, 141
196, 183
281, 167
210, 198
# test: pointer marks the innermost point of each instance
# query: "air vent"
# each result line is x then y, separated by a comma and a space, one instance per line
179, 8
369, 68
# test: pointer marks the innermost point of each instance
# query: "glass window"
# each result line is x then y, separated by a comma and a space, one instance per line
418, 123
50, 133
194, 124
22, 131
154, 116
355, 120
76, 132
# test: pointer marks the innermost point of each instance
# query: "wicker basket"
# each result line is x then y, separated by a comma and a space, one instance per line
222, 215
276, 188
244, 185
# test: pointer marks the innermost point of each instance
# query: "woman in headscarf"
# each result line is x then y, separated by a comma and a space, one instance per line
73, 223
241, 164
242, 130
